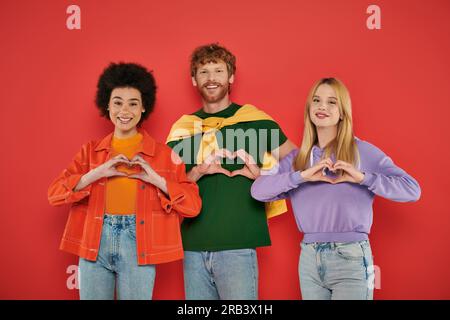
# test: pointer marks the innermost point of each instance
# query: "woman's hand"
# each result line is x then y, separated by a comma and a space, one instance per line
349, 172
105, 170
108, 169
315, 173
148, 174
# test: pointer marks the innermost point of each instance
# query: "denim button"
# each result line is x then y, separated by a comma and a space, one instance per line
141, 222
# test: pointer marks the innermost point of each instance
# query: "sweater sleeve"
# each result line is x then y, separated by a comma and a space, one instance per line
387, 180
276, 183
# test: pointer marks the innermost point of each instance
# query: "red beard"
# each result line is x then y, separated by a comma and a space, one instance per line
220, 93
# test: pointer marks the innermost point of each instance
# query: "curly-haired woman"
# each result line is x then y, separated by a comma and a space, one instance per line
127, 194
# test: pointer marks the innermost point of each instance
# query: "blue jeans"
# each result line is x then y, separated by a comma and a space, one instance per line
336, 271
224, 275
116, 267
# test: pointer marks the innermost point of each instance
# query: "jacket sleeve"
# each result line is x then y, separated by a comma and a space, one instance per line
276, 183
61, 190
387, 180
183, 195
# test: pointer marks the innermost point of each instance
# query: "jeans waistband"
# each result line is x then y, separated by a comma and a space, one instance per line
119, 219
333, 245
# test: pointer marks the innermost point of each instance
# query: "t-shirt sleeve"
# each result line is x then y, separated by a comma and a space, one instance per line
275, 135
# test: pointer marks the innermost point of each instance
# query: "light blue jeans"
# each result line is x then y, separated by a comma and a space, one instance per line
224, 275
336, 271
116, 268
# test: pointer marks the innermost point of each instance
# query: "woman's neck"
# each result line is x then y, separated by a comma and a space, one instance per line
325, 135
125, 134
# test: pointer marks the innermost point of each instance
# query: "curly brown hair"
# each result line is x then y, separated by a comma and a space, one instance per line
212, 53
123, 75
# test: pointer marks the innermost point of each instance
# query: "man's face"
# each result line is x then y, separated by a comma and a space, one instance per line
212, 81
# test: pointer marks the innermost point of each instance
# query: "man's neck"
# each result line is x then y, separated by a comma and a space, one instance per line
216, 106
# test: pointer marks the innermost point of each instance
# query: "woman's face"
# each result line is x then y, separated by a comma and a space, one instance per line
324, 107
125, 109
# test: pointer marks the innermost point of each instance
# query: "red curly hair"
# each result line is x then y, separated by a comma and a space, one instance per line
212, 52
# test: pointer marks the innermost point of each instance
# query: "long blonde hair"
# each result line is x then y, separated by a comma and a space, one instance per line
344, 145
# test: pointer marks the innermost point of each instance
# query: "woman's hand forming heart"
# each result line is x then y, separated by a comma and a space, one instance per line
105, 170
349, 173
315, 173
148, 174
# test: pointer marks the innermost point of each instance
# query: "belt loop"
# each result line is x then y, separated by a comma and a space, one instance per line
210, 259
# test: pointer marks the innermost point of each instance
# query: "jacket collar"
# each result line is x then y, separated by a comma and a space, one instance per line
147, 147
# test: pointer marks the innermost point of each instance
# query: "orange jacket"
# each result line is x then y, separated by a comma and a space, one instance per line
158, 237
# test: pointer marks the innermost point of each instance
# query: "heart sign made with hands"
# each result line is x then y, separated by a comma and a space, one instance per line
338, 172
121, 166
126, 167
212, 164
250, 168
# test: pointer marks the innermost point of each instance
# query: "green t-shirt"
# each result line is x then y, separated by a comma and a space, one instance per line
230, 218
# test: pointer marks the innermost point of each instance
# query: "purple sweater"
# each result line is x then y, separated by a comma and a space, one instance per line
341, 212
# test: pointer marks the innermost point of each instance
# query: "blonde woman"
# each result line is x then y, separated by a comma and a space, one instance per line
331, 181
